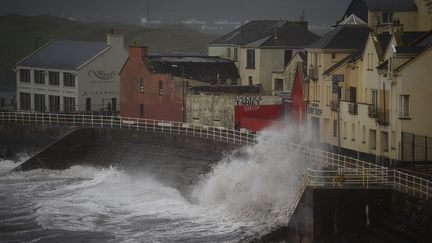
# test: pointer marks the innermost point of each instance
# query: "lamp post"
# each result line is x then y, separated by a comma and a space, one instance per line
183, 90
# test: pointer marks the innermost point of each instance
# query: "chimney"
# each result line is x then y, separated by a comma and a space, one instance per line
137, 51
302, 21
113, 40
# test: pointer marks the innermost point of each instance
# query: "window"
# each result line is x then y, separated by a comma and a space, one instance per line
141, 110
334, 128
54, 78
113, 104
160, 88
387, 18
374, 96
88, 104
235, 54
333, 55
364, 135
384, 141
250, 59
69, 104
39, 77
68, 79
25, 75
39, 100
229, 52
25, 101
353, 132
345, 130
141, 86
250, 80
353, 94
404, 106
372, 139
287, 56
278, 84
54, 103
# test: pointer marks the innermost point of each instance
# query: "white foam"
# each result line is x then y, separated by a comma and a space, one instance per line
259, 187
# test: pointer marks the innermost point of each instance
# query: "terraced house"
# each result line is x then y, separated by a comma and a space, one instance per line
261, 47
373, 101
71, 76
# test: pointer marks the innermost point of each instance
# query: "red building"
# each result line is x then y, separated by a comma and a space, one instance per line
154, 86
297, 97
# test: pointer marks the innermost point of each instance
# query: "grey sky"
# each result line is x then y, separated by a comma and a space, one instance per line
320, 12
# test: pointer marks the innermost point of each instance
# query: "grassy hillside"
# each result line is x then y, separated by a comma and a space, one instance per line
19, 35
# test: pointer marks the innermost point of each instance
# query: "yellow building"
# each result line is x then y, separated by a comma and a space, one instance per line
337, 46
384, 15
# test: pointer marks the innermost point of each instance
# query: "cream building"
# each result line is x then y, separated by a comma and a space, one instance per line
383, 15
69, 76
261, 47
373, 91
336, 46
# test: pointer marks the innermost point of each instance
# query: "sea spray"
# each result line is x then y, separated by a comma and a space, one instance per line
259, 185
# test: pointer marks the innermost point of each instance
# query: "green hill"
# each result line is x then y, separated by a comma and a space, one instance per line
21, 34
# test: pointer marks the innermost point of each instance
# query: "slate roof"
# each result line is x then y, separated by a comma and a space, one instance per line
268, 33
63, 54
425, 40
350, 37
201, 68
406, 38
361, 7
227, 89
381, 42
353, 57
391, 5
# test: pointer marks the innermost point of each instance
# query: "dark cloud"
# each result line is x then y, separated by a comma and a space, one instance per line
322, 12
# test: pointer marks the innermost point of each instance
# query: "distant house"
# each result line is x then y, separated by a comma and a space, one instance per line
385, 15
154, 86
71, 76
262, 46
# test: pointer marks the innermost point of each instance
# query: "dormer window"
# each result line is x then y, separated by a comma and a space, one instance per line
387, 18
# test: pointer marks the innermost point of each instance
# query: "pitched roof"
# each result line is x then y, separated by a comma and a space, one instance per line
63, 54
227, 89
391, 5
406, 38
350, 37
352, 20
425, 40
353, 57
268, 33
201, 68
381, 42
361, 7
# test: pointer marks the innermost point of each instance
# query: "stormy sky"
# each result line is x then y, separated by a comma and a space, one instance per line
319, 12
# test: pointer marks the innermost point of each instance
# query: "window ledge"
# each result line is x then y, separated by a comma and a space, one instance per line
405, 118
249, 67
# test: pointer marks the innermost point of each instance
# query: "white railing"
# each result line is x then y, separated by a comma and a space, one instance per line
100, 121
355, 171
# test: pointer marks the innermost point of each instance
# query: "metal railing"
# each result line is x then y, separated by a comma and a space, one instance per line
101, 121
355, 171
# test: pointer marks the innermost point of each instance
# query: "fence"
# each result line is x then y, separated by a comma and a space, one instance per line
355, 172
101, 121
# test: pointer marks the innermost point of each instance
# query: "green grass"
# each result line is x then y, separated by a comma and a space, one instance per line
19, 35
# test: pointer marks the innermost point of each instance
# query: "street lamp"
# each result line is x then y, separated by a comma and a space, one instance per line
183, 90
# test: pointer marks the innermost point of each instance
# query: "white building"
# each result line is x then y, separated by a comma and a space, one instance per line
69, 76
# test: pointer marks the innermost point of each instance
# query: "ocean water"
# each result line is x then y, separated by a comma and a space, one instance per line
241, 198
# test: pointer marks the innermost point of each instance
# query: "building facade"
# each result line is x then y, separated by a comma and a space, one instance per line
155, 86
262, 47
71, 76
